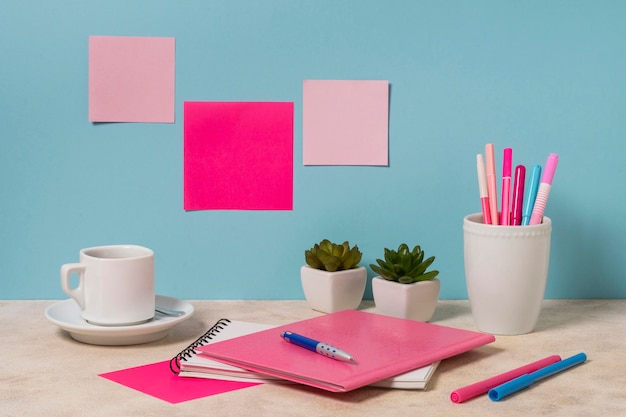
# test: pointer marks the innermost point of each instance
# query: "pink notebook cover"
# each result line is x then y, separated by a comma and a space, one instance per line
382, 347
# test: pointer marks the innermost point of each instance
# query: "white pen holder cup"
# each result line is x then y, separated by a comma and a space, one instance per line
115, 284
506, 270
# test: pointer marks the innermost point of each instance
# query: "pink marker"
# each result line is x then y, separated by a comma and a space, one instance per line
507, 161
482, 188
518, 195
482, 387
544, 189
492, 191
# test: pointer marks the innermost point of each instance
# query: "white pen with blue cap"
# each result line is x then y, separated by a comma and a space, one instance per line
317, 346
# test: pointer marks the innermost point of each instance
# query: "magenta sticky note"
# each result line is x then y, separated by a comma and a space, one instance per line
345, 122
131, 79
157, 380
238, 155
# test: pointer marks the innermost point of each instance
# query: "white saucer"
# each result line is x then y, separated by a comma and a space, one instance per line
66, 315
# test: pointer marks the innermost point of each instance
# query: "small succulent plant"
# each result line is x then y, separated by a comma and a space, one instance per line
405, 266
331, 257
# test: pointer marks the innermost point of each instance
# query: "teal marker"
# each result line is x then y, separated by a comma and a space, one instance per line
535, 177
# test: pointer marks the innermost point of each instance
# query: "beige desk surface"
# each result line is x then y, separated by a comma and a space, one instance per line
44, 372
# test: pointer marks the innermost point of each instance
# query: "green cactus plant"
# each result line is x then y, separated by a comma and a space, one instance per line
404, 266
331, 257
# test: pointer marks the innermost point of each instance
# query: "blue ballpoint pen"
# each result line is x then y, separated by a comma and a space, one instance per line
535, 177
316, 346
525, 381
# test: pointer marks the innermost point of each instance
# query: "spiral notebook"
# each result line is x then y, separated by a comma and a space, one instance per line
382, 347
191, 363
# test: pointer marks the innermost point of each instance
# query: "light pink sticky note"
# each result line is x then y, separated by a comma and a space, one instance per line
157, 380
131, 79
345, 122
238, 155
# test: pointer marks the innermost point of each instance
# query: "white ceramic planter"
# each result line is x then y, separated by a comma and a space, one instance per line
329, 292
415, 301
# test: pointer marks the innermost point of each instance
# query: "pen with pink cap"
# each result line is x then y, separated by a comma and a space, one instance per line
492, 191
544, 189
507, 161
482, 188
482, 387
518, 195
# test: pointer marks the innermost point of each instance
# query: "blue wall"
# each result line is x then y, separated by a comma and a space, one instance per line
538, 76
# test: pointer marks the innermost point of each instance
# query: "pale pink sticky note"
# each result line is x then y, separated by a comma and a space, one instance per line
238, 155
131, 79
345, 122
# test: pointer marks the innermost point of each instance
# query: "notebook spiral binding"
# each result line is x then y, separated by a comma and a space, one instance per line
190, 350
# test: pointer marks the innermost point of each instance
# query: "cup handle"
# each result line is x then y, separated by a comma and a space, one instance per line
76, 293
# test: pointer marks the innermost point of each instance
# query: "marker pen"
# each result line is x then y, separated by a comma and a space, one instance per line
507, 160
491, 182
525, 381
544, 189
533, 186
482, 387
518, 194
482, 188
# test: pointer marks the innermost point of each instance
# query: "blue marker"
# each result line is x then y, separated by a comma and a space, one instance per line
525, 381
315, 346
535, 177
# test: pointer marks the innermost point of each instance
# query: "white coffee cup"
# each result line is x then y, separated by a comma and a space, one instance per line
115, 284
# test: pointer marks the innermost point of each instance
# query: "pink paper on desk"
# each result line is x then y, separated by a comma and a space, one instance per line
238, 155
345, 122
157, 380
131, 79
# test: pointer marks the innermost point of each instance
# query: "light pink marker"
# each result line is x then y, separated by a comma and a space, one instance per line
482, 387
507, 161
482, 188
492, 191
544, 189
